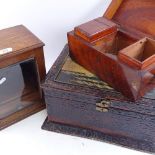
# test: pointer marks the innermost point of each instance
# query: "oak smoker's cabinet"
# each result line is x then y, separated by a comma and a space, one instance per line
21, 70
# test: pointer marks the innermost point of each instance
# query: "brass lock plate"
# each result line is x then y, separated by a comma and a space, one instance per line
103, 106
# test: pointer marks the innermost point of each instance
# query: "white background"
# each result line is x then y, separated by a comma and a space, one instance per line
50, 20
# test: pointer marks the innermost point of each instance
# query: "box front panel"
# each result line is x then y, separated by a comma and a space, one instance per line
113, 122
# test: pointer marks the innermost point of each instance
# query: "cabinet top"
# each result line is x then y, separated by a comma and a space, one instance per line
16, 39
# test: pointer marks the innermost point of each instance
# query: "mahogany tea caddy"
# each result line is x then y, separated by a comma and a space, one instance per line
119, 47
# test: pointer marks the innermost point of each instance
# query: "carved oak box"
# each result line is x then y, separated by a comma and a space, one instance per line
21, 70
78, 103
119, 48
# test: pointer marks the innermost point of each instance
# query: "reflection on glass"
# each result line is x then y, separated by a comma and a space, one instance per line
19, 87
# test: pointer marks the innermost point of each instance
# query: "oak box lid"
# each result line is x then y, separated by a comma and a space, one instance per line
136, 15
17, 39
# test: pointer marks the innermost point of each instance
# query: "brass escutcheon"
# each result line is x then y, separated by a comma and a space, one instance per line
103, 106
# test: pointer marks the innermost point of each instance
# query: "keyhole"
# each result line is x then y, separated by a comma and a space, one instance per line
2, 80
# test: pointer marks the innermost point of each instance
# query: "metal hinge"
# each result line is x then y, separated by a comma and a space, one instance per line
103, 106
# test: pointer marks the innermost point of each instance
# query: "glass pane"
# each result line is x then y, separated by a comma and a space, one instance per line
19, 87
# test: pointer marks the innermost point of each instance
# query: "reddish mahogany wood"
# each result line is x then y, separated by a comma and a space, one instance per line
140, 55
124, 71
139, 15
95, 29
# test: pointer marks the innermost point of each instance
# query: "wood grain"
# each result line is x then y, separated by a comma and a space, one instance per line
135, 20
72, 103
20, 95
95, 29
113, 7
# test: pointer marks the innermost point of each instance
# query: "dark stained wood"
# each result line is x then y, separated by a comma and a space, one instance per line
104, 56
21, 71
96, 135
78, 103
